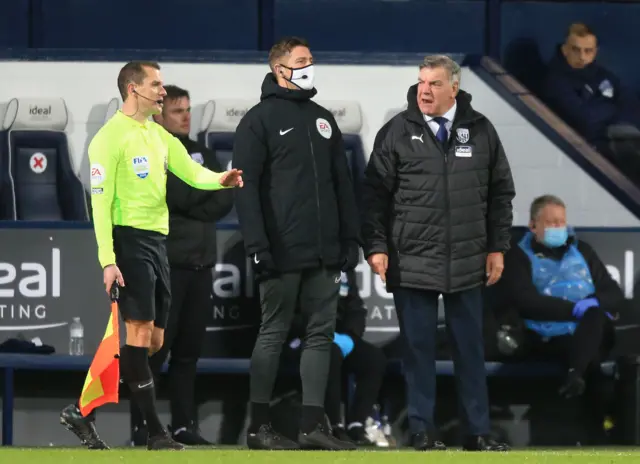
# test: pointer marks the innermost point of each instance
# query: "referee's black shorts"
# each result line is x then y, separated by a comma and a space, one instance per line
141, 256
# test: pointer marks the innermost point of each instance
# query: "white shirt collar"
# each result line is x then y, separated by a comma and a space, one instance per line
449, 115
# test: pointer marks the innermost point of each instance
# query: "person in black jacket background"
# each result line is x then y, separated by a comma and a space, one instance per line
298, 217
438, 211
192, 252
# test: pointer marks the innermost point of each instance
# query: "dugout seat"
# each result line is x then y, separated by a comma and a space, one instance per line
7, 194
392, 112
217, 131
112, 107
37, 162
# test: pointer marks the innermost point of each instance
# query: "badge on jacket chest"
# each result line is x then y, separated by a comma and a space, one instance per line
464, 151
462, 135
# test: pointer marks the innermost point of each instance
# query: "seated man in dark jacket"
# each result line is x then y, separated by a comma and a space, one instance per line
589, 97
350, 354
564, 293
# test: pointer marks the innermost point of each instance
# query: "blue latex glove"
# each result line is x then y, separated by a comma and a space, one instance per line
344, 342
582, 306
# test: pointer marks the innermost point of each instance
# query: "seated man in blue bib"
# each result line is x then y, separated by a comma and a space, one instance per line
564, 293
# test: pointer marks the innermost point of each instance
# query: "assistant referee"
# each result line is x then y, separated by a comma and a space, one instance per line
130, 156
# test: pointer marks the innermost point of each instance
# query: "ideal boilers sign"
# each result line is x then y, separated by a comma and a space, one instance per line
47, 279
27, 287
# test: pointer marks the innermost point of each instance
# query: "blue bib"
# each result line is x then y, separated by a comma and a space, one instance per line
569, 279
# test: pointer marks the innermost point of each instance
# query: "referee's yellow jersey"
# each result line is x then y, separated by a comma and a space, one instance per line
129, 162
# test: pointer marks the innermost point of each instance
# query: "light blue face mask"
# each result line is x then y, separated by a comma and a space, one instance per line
555, 236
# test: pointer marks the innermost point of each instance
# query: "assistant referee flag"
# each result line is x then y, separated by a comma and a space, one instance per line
103, 378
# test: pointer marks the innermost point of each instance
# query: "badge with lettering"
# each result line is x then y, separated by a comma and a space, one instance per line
140, 166
462, 135
324, 128
464, 151
98, 174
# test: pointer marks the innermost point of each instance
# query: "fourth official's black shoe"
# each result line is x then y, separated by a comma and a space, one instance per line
478, 443
323, 439
425, 442
83, 427
341, 434
163, 442
268, 439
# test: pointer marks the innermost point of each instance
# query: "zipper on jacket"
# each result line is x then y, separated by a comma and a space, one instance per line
315, 173
447, 202
447, 205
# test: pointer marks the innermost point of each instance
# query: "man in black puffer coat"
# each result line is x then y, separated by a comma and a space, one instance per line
437, 204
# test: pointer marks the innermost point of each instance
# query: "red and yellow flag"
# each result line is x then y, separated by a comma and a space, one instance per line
103, 379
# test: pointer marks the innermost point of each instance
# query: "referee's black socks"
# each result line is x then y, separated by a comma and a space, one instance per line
134, 365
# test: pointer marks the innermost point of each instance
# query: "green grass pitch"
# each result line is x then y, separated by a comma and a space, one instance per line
236, 456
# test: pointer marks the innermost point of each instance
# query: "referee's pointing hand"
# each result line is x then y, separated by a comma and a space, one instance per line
231, 178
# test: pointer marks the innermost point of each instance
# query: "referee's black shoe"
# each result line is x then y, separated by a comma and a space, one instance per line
268, 439
321, 438
83, 427
163, 442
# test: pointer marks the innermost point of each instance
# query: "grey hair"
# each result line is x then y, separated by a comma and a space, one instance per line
443, 61
539, 203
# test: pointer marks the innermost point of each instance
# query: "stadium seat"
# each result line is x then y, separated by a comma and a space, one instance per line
109, 110
392, 112
112, 107
217, 130
38, 163
7, 194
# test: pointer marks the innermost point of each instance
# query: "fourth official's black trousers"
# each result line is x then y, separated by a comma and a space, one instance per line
315, 292
191, 306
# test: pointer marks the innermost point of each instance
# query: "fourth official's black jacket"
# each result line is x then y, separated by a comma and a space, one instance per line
297, 206
193, 214
437, 211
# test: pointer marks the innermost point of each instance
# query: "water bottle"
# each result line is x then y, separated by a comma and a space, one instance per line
344, 285
76, 339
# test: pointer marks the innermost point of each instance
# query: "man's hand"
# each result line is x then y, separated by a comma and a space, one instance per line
232, 178
495, 266
379, 263
110, 275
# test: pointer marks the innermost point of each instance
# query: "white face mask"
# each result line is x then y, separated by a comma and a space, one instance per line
302, 77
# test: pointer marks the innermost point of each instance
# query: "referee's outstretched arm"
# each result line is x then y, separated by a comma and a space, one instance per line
197, 176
